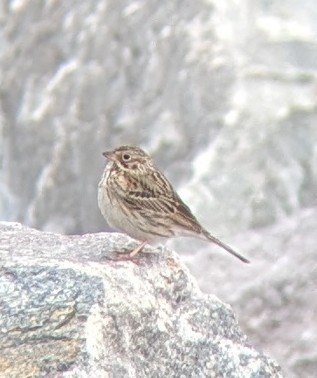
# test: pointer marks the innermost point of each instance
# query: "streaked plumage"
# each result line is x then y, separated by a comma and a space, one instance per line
136, 198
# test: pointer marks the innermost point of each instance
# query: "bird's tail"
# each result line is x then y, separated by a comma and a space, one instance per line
224, 246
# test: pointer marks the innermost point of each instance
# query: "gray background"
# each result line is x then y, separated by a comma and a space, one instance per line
222, 93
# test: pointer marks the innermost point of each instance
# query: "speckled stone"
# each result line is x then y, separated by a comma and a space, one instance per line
73, 306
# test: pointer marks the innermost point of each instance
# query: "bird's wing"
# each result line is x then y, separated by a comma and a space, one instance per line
152, 195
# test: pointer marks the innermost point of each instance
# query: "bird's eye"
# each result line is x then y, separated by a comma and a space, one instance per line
126, 157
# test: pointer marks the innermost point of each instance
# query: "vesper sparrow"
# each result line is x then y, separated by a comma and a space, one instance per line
136, 198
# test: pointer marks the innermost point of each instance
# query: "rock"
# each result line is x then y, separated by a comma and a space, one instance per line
276, 292
70, 308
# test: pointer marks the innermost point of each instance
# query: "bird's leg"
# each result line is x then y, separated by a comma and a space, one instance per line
137, 249
128, 256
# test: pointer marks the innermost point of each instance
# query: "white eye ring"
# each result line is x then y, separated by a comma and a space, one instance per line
126, 157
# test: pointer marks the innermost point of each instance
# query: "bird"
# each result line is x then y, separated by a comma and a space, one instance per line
135, 197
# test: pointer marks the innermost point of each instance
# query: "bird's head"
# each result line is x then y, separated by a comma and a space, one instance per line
128, 157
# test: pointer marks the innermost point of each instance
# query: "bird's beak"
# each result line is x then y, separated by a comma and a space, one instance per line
109, 155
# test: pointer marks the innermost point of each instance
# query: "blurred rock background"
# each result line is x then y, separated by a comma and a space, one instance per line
223, 94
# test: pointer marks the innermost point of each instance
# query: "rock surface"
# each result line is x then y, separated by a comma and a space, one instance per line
222, 93
69, 308
276, 292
